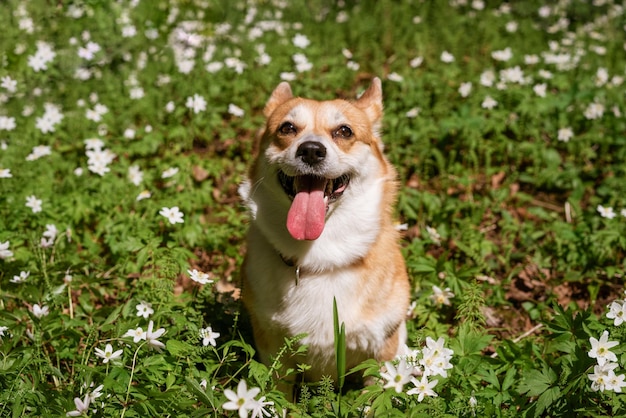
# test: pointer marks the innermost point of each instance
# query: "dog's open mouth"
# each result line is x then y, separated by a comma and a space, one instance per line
311, 196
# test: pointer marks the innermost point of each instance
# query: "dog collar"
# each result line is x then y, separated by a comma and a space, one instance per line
291, 262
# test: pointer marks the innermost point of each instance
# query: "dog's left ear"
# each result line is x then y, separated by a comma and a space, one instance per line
371, 102
280, 95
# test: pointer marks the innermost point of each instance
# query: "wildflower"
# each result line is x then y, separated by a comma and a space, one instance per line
511, 27
208, 336
433, 235
623, 212
200, 277
144, 309
44, 55
9, 84
287, 76
413, 113
135, 175
301, 41
512, 75
38, 152
617, 312
488, 103
33, 203
97, 392
416, 62
601, 349
7, 123
108, 354
170, 172
82, 407
21, 278
138, 334
595, 110
196, 103
258, 411
170, 106
94, 144
151, 337
4, 250
235, 110
423, 388
40, 311
447, 57
487, 78
465, 89
397, 377
607, 212
540, 89
88, 52
242, 401
144, 195
5, 173
395, 77
565, 134
52, 116
98, 161
174, 215
616, 383
3, 329
503, 55
436, 358
302, 63
602, 374
441, 297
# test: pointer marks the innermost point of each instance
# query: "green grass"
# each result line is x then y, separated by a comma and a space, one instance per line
518, 236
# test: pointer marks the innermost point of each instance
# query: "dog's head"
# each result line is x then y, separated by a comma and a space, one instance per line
314, 151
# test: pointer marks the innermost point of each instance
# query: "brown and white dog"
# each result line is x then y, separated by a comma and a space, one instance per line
321, 198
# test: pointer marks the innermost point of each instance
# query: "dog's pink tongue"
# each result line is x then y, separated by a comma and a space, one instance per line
305, 220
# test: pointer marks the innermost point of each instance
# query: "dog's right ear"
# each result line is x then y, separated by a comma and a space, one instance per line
280, 95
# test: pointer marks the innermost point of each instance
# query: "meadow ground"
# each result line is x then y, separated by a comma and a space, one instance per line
126, 127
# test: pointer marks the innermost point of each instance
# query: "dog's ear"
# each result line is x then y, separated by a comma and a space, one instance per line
280, 95
371, 102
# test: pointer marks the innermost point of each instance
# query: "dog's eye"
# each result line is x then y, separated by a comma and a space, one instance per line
287, 128
343, 132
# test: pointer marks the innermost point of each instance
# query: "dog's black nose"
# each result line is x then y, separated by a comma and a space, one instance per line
311, 152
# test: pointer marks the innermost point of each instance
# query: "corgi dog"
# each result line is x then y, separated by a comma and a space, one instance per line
320, 194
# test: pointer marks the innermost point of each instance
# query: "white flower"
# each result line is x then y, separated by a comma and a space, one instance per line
4, 250
395, 77
601, 349
488, 103
44, 55
9, 84
3, 330
7, 123
502, 55
617, 312
21, 278
595, 110
433, 235
151, 337
34, 203
236, 110
196, 103
135, 175
51, 117
447, 57
287, 76
441, 297
565, 134
170, 106
38, 152
144, 309
397, 376
200, 277
413, 113
242, 401
40, 311
5, 173
602, 375
301, 41
208, 336
82, 407
173, 215
465, 89
436, 358
540, 89
107, 354
422, 388
512, 75
138, 334
487, 78
143, 195
416, 62
606, 212
258, 411
170, 172
302, 63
